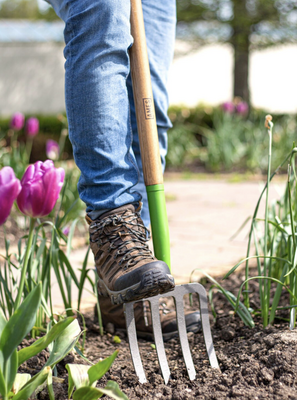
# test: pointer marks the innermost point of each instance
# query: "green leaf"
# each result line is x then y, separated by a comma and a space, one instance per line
32, 384
3, 321
78, 377
38, 256
70, 236
64, 343
83, 276
19, 382
12, 367
50, 385
89, 393
240, 308
277, 295
64, 260
3, 390
40, 344
98, 370
21, 322
112, 390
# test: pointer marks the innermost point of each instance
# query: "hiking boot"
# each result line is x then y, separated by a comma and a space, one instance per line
114, 314
127, 269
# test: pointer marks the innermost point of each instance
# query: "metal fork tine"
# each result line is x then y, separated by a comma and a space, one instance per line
206, 325
178, 295
132, 337
182, 330
156, 322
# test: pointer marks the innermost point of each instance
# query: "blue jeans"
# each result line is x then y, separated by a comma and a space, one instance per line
99, 99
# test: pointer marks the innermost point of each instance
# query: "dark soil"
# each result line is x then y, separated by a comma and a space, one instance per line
255, 363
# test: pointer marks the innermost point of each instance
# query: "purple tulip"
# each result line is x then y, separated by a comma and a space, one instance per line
17, 121
52, 149
41, 186
228, 107
10, 187
66, 230
32, 126
242, 108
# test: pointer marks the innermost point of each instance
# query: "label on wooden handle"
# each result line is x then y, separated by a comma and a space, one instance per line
148, 108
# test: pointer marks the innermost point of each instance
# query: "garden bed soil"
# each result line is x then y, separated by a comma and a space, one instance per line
255, 363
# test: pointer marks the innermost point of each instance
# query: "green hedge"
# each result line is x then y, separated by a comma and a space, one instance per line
50, 127
201, 137
212, 139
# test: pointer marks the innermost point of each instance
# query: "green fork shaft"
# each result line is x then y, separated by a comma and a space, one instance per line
159, 222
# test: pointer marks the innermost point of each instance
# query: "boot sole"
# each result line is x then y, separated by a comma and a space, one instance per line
153, 282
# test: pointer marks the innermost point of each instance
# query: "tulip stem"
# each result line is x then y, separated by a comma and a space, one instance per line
29, 144
25, 265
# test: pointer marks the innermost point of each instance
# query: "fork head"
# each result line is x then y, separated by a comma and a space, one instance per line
178, 295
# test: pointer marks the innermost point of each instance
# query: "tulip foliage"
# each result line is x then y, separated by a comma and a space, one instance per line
36, 195
25, 305
16, 153
63, 335
61, 338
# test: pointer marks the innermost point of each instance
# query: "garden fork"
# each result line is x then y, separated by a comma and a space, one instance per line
153, 177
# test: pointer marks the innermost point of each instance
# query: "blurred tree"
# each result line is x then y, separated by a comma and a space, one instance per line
25, 9
245, 24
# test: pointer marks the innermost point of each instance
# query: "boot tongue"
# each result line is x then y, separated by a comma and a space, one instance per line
119, 210
126, 209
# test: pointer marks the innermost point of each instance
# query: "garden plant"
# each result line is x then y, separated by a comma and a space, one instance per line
253, 347
274, 239
25, 290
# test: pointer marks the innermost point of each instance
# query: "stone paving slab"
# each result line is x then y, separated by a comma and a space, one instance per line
203, 215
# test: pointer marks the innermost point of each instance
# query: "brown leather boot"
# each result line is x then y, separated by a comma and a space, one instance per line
114, 314
127, 269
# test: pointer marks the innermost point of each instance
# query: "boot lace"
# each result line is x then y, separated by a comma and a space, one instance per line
114, 229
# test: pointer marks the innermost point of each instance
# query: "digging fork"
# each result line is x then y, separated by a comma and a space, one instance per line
153, 177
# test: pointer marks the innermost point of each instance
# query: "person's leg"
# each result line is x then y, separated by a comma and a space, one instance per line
97, 36
160, 23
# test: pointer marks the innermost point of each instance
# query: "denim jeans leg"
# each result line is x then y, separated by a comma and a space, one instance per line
97, 38
160, 24
99, 110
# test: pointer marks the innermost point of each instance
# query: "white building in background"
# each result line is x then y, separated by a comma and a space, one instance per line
31, 67
206, 77
32, 73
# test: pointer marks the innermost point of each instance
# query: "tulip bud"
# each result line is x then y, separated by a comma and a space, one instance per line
242, 108
41, 186
66, 230
228, 107
17, 121
32, 126
10, 187
52, 149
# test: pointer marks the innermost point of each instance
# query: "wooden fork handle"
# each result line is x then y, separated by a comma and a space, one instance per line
143, 99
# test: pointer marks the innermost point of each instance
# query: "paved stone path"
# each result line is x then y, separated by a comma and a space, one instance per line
203, 215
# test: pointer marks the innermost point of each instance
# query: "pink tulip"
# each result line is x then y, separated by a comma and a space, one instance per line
32, 126
10, 187
52, 149
228, 107
17, 121
242, 108
41, 186
66, 230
